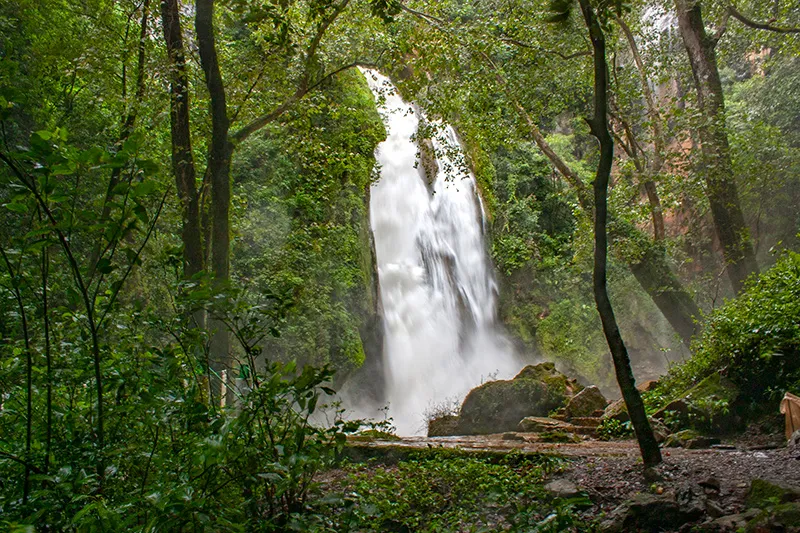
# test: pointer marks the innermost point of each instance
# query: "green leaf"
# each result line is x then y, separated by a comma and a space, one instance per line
16, 207
104, 266
144, 188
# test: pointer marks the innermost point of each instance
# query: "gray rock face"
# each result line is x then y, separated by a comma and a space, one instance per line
586, 402
647, 512
443, 426
617, 411
765, 493
498, 406
562, 488
540, 424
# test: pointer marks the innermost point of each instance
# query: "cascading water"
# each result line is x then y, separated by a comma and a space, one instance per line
436, 281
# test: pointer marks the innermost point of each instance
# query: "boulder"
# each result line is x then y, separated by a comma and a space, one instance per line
617, 411
689, 439
729, 523
498, 406
547, 373
783, 518
647, 386
704, 406
647, 512
562, 488
443, 426
585, 403
660, 430
765, 493
540, 424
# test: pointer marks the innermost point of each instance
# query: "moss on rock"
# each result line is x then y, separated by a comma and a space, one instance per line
498, 406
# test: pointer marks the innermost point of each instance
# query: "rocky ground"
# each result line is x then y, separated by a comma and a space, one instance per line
705, 489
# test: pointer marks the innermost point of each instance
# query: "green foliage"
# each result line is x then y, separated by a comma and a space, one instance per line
753, 339
440, 490
613, 429
303, 223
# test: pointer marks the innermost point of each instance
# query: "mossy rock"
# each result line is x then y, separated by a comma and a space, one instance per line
498, 406
709, 405
763, 494
784, 517
690, 439
547, 373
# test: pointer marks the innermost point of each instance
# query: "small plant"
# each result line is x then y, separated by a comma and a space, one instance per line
613, 429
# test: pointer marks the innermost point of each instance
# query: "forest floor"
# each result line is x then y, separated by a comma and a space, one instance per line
610, 473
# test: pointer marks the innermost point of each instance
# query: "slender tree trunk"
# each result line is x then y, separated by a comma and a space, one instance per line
48, 356
732, 232
182, 156
219, 169
656, 161
599, 127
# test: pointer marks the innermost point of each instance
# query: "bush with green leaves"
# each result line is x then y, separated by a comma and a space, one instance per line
447, 490
613, 429
753, 339
105, 417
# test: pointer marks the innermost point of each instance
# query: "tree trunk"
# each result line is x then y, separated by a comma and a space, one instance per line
599, 127
182, 156
732, 232
219, 169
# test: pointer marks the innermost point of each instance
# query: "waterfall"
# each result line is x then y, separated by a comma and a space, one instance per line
437, 284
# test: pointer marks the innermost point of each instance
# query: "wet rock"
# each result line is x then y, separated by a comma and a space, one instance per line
562, 488
690, 439
764, 493
443, 426
729, 523
704, 406
660, 430
498, 406
778, 518
647, 512
540, 424
585, 403
617, 411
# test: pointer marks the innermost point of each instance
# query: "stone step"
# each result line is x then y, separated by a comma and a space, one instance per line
592, 421
589, 431
562, 417
534, 424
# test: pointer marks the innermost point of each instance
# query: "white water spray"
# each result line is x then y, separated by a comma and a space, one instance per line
436, 280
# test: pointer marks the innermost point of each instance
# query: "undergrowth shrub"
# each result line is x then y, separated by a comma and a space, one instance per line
753, 339
447, 490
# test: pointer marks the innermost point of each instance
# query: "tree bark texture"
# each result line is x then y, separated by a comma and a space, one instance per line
599, 127
219, 170
182, 157
723, 196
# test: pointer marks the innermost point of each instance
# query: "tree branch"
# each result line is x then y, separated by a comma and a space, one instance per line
758, 25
